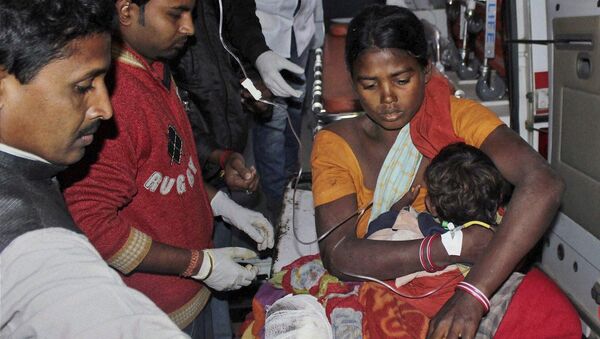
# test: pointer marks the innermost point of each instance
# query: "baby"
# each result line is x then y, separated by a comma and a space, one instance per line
464, 187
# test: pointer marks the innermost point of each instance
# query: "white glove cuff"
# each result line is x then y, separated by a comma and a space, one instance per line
206, 267
452, 241
219, 203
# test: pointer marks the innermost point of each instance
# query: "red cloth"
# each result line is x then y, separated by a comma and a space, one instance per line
338, 94
431, 128
430, 305
135, 182
539, 309
387, 315
384, 314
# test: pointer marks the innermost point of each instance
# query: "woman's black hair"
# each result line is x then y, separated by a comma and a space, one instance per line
35, 32
386, 26
463, 184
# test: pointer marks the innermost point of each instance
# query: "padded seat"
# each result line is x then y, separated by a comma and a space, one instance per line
338, 95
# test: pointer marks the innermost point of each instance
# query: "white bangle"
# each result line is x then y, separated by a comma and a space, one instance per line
475, 293
206, 266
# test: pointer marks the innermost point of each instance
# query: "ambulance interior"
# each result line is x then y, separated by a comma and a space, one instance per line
531, 62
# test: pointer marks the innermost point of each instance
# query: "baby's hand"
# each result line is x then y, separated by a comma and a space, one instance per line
407, 199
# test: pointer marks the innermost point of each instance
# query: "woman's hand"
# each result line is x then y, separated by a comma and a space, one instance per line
458, 318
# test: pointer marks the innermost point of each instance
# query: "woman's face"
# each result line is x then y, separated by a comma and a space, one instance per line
390, 85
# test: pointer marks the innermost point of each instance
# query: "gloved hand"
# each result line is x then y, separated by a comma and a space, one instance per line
250, 222
220, 271
269, 64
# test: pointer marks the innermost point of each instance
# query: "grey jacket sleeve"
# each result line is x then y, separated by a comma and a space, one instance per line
56, 285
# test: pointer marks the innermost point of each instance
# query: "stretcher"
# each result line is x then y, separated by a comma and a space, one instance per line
332, 95
334, 99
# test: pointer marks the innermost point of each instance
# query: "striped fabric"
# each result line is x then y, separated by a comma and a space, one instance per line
119, 53
499, 304
397, 173
132, 253
184, 316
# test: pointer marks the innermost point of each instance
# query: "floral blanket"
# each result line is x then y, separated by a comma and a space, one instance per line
528, 307
356, 310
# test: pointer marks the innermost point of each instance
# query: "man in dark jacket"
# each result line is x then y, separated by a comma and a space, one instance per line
211, 82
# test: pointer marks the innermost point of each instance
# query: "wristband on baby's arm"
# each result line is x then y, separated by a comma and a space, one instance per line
453, 239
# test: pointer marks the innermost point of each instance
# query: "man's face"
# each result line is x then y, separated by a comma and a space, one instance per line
55, 115
163, 29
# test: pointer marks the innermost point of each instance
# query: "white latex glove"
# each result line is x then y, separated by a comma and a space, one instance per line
250, 222
269, 64
220, 271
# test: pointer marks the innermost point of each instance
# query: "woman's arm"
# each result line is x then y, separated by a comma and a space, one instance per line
535, 200
335, 183
343, 252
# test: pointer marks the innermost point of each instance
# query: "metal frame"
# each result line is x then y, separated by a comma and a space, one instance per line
572, 254
323, 118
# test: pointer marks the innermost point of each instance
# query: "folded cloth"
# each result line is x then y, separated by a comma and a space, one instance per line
383, 221
355, 308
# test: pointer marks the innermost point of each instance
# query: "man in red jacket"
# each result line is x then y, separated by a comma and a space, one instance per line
54, 56
142, 201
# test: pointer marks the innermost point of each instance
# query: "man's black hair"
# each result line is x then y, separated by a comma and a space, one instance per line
35, 32
463, 184
142, 5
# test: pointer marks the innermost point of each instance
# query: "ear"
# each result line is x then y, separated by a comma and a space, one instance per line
3, 72
428, 72
124, 12
3, 79
430, 207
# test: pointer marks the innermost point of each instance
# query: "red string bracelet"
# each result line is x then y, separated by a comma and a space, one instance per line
224, 156
189, 271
